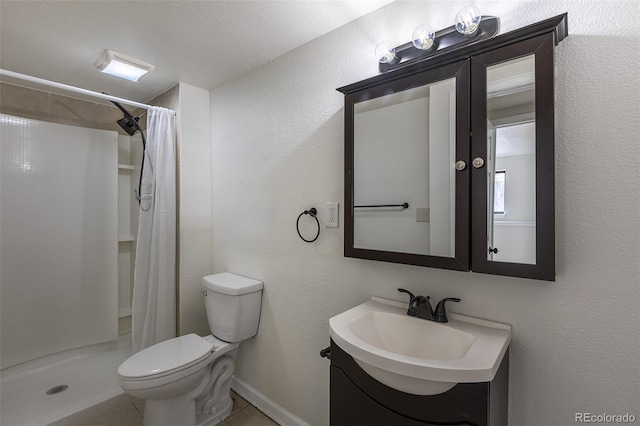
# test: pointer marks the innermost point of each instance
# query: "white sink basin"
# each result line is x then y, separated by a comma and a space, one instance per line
417, 356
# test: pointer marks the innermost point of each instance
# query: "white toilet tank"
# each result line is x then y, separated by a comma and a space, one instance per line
233, 306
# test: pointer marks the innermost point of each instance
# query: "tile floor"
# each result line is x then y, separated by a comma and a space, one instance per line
131, 413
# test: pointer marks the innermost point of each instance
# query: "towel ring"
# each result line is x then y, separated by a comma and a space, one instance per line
314, 214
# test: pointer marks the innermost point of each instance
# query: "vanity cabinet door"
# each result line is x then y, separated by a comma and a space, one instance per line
512, 147
357, 399
352, 407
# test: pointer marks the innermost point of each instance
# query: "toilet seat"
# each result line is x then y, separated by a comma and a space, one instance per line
166, 358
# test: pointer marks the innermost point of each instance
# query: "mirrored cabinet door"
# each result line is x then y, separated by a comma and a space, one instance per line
512, 154
405, 200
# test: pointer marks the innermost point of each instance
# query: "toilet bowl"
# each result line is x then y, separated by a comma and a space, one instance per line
187, 380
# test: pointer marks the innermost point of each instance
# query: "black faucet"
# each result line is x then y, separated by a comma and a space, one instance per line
420, 306
441, 312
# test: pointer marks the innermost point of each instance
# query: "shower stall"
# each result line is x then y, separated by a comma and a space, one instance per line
68, 223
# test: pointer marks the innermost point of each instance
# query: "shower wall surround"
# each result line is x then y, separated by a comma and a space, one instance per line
39, 105
31, 103
59, 198
194, 179
277, 149
129, 161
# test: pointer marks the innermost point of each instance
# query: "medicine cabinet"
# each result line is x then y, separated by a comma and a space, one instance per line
449, 161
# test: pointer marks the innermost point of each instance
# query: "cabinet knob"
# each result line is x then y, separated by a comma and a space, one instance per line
478, 162
460, 165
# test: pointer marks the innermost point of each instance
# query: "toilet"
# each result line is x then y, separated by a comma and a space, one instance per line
187, 380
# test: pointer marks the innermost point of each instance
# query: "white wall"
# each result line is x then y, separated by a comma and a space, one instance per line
442, 178
277, 149
196, 246
195, 250
391, 167
520, 187
514, 233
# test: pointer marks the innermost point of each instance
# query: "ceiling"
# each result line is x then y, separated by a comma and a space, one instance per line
202, 43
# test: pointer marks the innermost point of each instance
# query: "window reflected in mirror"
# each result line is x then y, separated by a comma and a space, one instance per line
511, 226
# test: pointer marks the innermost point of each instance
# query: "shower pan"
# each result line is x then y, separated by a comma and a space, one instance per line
71, 383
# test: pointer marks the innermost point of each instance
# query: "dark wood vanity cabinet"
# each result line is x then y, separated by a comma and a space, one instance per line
449, 161
359, 400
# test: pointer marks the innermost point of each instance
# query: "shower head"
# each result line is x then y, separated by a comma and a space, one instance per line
129, 124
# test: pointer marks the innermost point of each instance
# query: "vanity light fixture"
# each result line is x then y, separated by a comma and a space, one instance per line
470, 27
424, 37
468, 20
385, 52
123, 66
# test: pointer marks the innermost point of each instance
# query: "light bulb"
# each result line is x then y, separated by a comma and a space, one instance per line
423, 37
385, 52
468, 20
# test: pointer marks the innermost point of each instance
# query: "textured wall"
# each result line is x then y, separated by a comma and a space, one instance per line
194, 179
277, 149
195, 206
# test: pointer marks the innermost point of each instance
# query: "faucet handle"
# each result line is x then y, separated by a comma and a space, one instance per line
413, 310
441, 312
402, 290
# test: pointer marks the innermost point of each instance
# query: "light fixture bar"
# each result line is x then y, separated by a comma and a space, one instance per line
445, 40
123, 66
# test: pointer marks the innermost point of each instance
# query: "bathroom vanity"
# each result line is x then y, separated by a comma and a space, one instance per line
391, 368
358, 399
449, 163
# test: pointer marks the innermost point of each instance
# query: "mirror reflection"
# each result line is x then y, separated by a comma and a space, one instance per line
404, 146
511, 165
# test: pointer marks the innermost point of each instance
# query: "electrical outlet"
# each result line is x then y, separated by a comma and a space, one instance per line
423, 215
332, 214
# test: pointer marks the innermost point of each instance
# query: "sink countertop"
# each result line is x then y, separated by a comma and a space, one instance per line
479, 364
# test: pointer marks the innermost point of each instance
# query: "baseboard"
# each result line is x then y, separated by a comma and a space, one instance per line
264, 404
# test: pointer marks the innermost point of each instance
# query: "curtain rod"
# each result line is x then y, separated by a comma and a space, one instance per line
73, 89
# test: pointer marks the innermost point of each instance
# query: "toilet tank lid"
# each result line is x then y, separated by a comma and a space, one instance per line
231, 284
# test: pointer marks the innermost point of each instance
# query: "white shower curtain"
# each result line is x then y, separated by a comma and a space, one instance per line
154, 276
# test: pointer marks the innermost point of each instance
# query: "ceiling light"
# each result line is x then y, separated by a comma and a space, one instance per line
123, 66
